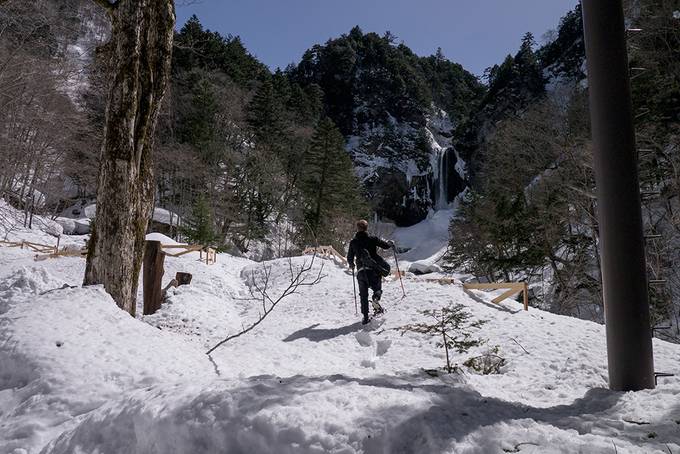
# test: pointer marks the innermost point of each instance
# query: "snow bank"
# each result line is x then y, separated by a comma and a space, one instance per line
48, 226
261, 415
164, 239
82, 226
70, 350
45, 231
68, 225
78, 375
12, 223
79, 210
426, 241
88, 210
167, 217
26, 280
76, 219
424, 267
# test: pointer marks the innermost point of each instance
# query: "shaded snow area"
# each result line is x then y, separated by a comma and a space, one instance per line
425, 243
77, 375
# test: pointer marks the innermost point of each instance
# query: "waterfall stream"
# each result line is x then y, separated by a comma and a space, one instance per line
441, 198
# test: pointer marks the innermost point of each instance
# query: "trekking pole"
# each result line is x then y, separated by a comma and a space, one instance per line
354, 285
396, 261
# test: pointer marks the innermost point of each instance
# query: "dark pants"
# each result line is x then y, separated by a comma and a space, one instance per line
368, 279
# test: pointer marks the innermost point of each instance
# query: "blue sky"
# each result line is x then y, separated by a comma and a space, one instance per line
476, 34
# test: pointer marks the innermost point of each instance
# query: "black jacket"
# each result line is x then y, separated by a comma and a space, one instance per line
363, 241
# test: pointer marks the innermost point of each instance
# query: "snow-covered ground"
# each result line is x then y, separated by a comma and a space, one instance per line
77, 375
426, 241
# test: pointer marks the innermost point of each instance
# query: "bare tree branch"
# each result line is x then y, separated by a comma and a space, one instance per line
298, 278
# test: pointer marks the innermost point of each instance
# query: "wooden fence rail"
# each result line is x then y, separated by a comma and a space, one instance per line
210, 253
185, 249
325, 251
55, 251
513, 288
37, 247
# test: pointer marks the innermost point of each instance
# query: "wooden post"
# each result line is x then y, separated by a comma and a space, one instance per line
153, 274
526, 297
56, 250
183, 278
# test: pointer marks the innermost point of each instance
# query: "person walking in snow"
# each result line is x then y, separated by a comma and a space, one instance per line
371, 268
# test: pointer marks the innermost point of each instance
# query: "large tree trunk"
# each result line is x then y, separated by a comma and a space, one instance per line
140, 51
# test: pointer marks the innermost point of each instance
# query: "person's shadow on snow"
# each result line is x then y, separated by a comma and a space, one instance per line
315, 334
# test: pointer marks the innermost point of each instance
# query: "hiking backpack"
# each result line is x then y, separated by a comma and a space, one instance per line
379, 266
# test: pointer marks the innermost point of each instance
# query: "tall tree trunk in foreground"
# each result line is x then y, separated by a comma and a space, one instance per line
139, 64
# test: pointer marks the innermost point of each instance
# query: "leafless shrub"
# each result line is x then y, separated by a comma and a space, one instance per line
259, 285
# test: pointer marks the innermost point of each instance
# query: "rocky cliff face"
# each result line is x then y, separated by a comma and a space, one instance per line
409, 168
398, 112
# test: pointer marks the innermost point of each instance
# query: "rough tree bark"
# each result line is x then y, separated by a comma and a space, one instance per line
139, 55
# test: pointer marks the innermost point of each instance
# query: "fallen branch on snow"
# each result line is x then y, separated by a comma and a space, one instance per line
260, 292
520, 346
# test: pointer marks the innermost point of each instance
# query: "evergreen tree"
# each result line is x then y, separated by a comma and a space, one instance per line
199, 228
201, 48
528, 68
198, 125
531, 212
497, 236
452, 327
265, 115
328, 182
281, 85
564, 55
366, 69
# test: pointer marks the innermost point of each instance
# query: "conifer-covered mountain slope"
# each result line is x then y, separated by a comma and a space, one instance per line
531, 210
554, 70
397, 111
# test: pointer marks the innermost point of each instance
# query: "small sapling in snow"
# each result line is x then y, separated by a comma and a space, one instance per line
452, 326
